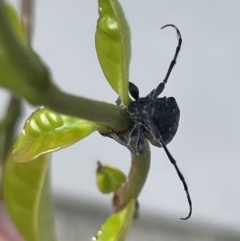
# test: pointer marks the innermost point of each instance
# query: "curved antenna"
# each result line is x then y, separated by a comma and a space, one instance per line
161, 86
173, 161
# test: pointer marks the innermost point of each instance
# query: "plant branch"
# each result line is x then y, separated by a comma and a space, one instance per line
136, 178
33, 82
7, 130
8, 125
27, 17
97, 111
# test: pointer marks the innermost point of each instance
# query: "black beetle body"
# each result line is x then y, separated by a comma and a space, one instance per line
158, 117
154, 118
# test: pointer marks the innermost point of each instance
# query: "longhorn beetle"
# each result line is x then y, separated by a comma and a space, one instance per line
155, 118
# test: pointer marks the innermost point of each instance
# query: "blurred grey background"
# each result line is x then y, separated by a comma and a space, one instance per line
205, 82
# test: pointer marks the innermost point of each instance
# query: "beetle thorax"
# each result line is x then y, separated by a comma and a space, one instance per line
140, 110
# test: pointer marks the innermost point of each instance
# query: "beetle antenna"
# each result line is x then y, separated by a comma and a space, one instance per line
173, 161
161, 86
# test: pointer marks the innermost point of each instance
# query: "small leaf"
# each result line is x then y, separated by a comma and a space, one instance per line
109, 178
46, 131
116, 226
112, 40
26, 191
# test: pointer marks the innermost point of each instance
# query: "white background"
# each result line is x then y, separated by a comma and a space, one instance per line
205, 82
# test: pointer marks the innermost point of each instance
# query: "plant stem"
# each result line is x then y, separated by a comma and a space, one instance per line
136, 178
8, 125
35, 85
27, 15
97, 111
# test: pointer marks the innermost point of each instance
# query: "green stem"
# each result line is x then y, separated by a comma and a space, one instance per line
35, 84
8, 126
92, 110
7, 130
136, 179
27, 15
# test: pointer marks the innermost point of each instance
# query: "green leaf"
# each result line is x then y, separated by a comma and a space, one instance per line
46, 131
21, 70
109, 178
16, 22
26, 191
112, 40
116, 226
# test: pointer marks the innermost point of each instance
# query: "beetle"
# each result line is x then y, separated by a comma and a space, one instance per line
155, 118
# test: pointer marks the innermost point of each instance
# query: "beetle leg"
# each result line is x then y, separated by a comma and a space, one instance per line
119, 101
153, 135
136, 139
140, 144
120, 139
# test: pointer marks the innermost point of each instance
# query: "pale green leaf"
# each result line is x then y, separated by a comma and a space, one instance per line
109, 178
112, 40
116, 226
27, 195
46, 131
